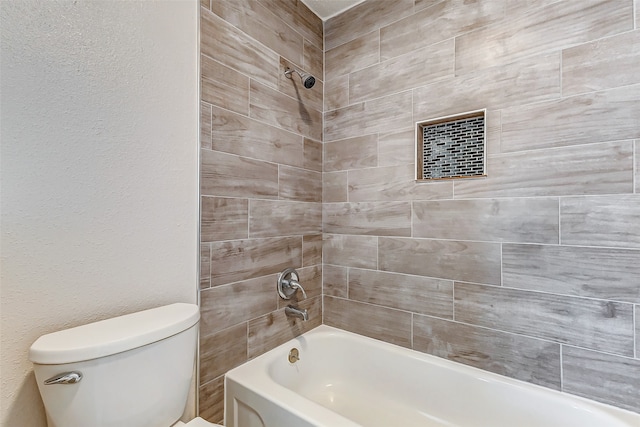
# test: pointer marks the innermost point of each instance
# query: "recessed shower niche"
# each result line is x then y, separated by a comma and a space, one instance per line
451, 147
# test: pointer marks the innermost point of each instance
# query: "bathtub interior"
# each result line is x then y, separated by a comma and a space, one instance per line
370, 383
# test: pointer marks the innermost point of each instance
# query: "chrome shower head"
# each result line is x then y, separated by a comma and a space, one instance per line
307, 79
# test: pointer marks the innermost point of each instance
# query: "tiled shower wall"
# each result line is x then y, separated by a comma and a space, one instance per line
261, 180
532, 272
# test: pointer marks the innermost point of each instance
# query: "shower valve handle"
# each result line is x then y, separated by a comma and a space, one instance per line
288, 284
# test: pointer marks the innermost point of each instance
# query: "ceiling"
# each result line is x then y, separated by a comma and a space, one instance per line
326, 9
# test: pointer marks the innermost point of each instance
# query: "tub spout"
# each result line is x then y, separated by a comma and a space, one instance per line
292, 311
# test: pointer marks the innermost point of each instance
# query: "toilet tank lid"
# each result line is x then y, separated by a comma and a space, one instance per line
112, 336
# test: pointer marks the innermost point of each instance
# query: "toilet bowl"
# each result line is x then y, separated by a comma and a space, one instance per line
133, 370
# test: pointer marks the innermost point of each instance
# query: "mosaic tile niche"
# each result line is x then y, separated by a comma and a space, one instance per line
451, 147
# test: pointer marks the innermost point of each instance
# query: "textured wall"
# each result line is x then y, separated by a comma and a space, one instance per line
531, 272
99, 171
261, 180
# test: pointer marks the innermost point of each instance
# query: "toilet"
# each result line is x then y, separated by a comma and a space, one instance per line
133, 370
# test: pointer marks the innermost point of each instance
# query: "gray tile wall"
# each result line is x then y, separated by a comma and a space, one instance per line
532, 272
261, 180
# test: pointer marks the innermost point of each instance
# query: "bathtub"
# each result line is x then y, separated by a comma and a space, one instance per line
347, 380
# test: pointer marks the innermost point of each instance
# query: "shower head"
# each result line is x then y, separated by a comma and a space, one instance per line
307, 79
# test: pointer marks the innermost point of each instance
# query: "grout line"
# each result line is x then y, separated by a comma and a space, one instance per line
453, 302
501, 264
559, 221
636, 354
633, 166
413, 315
561, 367
560, 71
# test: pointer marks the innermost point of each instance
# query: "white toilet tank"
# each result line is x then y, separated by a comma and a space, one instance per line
136, 369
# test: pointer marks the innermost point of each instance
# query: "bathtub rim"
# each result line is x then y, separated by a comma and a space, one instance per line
261, 383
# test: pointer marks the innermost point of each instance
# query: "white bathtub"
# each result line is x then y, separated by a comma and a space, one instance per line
347, 380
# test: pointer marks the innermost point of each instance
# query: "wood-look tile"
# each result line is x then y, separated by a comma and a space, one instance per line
334, 281
612, 221
370, 16
397, 148
222, 351
211, 399
245, 259
515, 356
310, 98
311, 250
505, 220
230, 46
229, 175
540, 30
224, 86
205, 266
493, 124
519, 6
443, 21
300, 184
583, 119
602, 64
223, 218
377, 219
313, 60
262, 24
205, 125
415, 68
595, 324
423, 4
424, 295
470, 261
271, 330
522, 82
394, 183
334, 187
391, 113
280, 110
312, 154
297, 15
351, 153
354, 55
219, 305
350, 251
603, 273
579, 170
336, 93
272, 218
602, 377
386, 324
237, 134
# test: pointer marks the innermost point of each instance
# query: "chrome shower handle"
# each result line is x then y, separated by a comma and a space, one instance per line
288, 284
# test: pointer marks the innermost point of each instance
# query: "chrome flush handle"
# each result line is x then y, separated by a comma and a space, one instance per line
65, 378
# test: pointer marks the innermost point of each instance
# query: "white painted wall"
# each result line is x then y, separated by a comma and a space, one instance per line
99, 170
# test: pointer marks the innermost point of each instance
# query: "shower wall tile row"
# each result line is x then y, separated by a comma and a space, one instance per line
517, 356
553, 27
531, 272
261, 180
